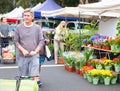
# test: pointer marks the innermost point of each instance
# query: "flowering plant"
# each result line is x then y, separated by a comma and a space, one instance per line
96, 62
106, 73
115, 44
87, 68
108, 62
77, 64
94, 73
106, 43
116, 61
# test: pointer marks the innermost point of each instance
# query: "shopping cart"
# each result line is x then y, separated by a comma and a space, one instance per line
7, 50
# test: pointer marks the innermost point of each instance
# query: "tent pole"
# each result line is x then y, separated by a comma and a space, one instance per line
80, 31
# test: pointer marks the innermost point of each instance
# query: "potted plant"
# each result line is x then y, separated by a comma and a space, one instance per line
116, 63
61, 59
72, 41
107, 45
108, 64
106, 75
114, 43
87, 56
95, 76
114, 77
118, 28
77, 66
69, 62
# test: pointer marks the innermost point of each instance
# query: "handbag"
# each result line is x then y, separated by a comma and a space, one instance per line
48, 53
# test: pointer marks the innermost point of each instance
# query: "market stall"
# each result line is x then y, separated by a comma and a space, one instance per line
89, 66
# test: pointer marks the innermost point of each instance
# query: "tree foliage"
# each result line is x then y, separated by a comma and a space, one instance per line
8, 5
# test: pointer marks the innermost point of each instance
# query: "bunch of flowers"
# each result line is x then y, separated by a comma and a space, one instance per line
95, 62
102, 73
115, 44
87, 68
87, 41
114, 41
77, 63
94, 73
106, 73
116, 61
108, 62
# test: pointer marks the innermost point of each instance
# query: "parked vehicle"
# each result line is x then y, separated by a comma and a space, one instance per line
46, 25
76, 26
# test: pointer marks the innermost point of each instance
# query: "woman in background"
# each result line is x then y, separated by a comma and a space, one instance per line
57, 38
4, 32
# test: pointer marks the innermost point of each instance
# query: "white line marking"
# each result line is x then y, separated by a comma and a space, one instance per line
9, 67
14, 67
58, 65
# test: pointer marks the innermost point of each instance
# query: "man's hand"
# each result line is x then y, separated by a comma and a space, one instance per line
25, 53
32, 53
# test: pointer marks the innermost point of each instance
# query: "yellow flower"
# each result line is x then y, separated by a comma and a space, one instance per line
108, 62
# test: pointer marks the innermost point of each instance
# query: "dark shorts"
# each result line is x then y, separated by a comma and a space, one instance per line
41, 60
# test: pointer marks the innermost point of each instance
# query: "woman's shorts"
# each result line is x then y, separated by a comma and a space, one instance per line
41, 60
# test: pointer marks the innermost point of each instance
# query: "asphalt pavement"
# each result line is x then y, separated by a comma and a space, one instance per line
55, 78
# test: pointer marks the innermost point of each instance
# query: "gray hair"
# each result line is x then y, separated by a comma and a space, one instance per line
29, 10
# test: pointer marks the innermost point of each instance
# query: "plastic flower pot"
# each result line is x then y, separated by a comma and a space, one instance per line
99, 67
95, 80
117, 68
108, 67
77, 70
114, 80
107, 80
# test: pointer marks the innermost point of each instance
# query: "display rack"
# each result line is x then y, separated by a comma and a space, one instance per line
101, 51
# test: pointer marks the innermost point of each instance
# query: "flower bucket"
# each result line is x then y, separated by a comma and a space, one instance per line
95, 80
81, 73
108, 67
117, 68
77, 70
71, 69
114, 80
89, 78
107, 47
61, 60
101, 80
107, 80
84, 75
99, 67
65, 67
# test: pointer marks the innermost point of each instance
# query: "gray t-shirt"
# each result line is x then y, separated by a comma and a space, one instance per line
28, 37
5, 29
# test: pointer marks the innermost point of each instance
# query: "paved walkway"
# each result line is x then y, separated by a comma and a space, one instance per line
55, 78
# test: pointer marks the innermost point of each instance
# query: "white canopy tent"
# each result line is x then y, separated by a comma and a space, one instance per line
15, 13
108, 8
35, 7
101, 6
